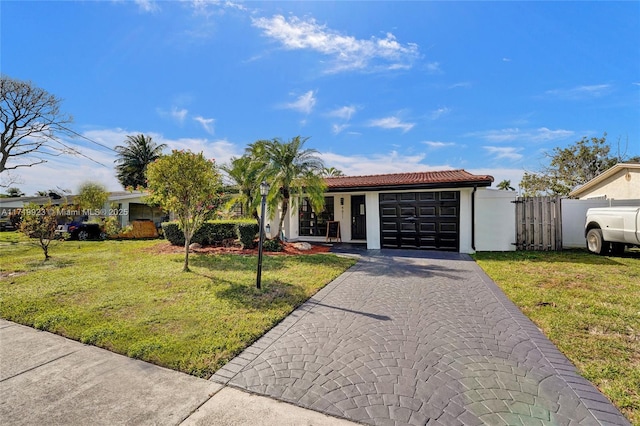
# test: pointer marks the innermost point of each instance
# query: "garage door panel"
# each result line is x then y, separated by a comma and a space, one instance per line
448, 211
448, 227
389, 226
388, 212
407, 196
427, 211
408, 211
449, 195
408, 227
424, 220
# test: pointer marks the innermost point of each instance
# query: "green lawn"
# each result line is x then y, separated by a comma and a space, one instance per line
122, 296
588, 305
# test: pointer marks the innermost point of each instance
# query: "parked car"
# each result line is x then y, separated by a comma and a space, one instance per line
612, 228
81, 231
6, 224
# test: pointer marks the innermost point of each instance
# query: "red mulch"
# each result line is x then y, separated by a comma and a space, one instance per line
289, 249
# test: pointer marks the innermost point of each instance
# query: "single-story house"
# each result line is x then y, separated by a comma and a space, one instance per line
620, 182
128, 206
447, 210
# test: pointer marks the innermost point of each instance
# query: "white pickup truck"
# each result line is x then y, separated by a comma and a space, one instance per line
612, 228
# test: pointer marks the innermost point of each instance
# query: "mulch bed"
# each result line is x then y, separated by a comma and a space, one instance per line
289, 249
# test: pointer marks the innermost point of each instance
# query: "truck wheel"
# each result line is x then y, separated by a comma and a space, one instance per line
83, 235
595, 243
617, 248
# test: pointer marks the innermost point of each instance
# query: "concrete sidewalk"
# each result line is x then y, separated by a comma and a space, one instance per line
47, 379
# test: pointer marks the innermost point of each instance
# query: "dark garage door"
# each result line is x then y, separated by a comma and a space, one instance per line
424, 220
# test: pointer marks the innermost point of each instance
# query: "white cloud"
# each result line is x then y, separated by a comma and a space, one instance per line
506, 60
203, 7
178, 115
434, 68
438, 144
460, 84
147, 5
304, 103
580, 92
391, 123
345, 112
504, 152
541, 134
207, 124
392, 162
439, 113
338, 128
347, 52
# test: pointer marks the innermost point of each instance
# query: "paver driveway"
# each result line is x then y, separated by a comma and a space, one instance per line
409, 337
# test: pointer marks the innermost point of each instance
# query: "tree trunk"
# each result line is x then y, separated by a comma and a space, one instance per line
285, 208
186, 255
45, 249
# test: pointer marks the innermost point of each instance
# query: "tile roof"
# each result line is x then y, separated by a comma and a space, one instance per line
416, 179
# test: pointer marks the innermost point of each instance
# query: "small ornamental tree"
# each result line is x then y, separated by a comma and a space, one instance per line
40, 223
92, 196
188, 185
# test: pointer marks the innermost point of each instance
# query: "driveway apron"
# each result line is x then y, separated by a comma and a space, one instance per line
410, 337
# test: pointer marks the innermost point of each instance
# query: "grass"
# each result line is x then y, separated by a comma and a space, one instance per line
122, 296
588, 306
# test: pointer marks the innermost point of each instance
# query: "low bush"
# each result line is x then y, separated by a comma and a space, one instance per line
247, 233
272, 245
211, 232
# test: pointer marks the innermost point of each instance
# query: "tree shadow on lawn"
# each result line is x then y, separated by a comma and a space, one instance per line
234, 262
272, 295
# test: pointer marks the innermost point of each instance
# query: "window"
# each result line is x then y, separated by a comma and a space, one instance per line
312, 224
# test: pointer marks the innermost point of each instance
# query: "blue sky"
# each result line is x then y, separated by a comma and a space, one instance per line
379, 87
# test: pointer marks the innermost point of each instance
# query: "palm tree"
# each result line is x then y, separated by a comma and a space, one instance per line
133, 159
505, 185
243, 171
331, 172
292, 172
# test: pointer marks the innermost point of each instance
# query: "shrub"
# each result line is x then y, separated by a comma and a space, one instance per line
272, 245
247, 233
210, 233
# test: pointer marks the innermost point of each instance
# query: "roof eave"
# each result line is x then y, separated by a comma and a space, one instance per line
416, 186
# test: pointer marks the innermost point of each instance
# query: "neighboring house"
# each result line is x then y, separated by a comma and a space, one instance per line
437, 210
620, 182
19, 202
128, 206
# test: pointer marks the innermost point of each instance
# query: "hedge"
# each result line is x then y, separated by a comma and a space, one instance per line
211, 232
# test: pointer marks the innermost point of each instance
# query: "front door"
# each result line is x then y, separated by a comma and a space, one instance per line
358, 218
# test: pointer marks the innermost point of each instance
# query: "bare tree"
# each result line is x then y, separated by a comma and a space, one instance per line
30, 118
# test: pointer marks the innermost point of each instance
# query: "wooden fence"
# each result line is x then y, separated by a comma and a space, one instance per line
538, 223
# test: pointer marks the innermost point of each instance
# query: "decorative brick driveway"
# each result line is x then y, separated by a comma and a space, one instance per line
409, 337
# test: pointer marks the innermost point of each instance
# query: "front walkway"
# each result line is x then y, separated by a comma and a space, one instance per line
409, 337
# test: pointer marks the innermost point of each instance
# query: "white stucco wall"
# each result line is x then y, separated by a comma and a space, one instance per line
465, 219
372, 208
495, 220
